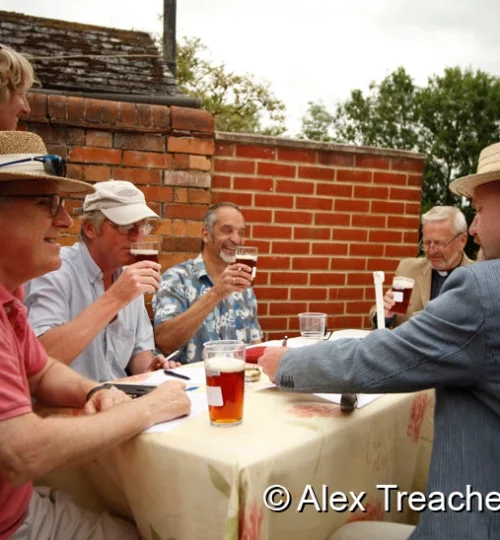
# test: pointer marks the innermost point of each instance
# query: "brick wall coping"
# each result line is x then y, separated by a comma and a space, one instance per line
246, 138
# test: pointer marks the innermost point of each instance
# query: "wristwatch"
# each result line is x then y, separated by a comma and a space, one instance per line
104, 386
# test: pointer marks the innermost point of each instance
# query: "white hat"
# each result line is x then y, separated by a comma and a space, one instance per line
120, 201
488, 170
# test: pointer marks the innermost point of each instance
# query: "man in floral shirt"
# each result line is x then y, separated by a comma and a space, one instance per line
209, 297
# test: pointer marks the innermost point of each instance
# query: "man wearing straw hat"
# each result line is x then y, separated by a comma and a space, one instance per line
32, 216
452, 346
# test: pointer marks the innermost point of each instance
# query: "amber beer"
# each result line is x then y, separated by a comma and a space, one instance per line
247, 255
145, 255
402, 288
225, 375
145, 250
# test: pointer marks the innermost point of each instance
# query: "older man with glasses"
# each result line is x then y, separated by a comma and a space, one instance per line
444, 235
90, 313
32, 219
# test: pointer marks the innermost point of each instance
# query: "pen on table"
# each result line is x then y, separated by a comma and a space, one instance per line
285, 339
191, 388
174, 374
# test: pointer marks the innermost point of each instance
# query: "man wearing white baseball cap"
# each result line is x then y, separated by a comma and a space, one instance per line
90, 314
453, 345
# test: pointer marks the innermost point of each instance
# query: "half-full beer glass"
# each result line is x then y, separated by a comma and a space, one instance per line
248, 255
225, 374
146, 250
402, 287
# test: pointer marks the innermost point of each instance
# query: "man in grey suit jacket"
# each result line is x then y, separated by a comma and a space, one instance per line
453, 345
444, 236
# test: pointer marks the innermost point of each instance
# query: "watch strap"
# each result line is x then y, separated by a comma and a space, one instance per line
98, 388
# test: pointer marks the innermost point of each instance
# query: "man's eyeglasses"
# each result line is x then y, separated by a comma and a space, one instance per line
52, 164
438, 245
54, 202
143, 228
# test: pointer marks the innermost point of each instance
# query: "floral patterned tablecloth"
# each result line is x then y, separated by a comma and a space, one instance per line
199, 482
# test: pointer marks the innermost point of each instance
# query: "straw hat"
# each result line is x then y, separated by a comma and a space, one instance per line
23, 145
488, 170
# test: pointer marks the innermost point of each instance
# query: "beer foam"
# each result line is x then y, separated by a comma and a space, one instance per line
144, 251
246, 257
400, 282
225, 364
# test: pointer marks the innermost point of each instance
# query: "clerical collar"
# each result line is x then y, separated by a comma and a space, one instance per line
442, 273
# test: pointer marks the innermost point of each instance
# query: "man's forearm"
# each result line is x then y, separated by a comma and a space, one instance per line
174, 333
69, 340
68, 441
141, 362
60, 386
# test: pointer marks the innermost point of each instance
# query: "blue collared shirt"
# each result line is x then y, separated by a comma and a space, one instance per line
235, 317
58, 297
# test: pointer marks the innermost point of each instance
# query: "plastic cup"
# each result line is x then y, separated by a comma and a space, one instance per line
312, 325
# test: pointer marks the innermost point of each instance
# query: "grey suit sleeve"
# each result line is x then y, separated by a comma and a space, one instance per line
442, 345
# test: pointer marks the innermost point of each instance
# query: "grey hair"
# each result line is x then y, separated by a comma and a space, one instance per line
95, 218
446, 213
210, 218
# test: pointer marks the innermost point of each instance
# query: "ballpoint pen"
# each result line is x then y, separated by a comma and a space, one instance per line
173, 355
285, 339
175, 374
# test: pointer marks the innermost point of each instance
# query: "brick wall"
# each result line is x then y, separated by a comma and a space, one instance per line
166, 151
323, 216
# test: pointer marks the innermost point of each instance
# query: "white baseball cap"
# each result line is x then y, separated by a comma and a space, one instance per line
120, 201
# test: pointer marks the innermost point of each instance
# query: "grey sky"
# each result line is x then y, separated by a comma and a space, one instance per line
312, 50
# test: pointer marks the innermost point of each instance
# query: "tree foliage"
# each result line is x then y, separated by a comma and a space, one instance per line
238, 102
450, 119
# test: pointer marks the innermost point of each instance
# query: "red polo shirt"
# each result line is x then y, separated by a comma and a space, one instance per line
21, 357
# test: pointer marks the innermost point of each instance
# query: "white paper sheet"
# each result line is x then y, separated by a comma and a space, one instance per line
349, 333
363, 399
196, 376
198, 406
292, 343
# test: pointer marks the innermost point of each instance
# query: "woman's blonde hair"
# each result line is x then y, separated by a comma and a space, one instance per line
16, 74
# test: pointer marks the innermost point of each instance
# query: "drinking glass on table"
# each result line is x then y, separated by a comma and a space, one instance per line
225, 373
146, 250
312, 325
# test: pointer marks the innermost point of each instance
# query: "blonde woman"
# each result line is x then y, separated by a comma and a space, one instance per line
16, 78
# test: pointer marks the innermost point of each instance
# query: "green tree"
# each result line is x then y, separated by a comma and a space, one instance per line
450, 119
238, 102
317, 123
459, 114
385, 117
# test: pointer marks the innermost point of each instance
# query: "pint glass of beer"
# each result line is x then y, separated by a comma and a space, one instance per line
402, 288
225, 374
146, 250
248, 255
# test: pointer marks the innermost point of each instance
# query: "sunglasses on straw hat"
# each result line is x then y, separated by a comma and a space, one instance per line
52, 163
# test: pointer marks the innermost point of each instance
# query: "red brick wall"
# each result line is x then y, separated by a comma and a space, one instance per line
323, 216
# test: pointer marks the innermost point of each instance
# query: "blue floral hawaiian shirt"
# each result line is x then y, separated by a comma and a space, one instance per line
235, 317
